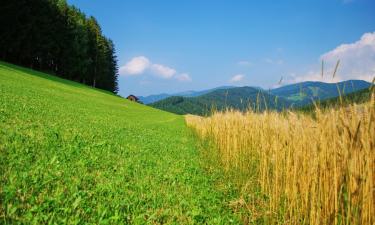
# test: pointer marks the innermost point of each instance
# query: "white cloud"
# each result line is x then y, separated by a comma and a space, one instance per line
237, 78
141, 64
163, 71
184, 77
244, 63
135, 66
357, 61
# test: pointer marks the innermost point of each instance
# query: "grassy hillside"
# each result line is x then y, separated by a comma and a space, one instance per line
304, 93
241, 98
73, 154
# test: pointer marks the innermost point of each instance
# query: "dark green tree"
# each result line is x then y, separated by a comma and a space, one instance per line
51, 36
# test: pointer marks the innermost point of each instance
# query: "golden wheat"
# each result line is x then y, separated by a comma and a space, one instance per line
317, 170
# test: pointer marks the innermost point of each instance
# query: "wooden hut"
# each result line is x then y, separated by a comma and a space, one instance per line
133, 98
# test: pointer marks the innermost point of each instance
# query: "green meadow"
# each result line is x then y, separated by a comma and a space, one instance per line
74, 154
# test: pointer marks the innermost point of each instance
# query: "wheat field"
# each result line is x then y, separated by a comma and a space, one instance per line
309, 169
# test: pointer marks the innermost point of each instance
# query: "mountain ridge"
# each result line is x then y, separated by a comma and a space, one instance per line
243, 98
239, 98
306, 92
190, 93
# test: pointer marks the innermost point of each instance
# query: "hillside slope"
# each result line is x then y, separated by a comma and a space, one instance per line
357, 97
70, 154
241, 98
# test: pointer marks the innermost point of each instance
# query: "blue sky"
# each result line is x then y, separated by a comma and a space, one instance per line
171, 46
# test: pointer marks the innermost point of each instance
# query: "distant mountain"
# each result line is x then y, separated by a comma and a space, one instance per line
240, 98
243, 98
154, 98
304, 93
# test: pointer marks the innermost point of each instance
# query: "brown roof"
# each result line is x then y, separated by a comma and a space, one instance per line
133, 96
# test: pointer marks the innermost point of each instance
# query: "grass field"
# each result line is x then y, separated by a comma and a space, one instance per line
292, 168
73, 154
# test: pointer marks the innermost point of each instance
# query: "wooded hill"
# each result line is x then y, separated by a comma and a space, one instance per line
52, 36
244, 98
357, 97
304, 93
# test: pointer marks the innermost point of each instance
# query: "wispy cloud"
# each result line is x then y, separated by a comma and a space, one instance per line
184, 77
274, 61
141, 64
237, 78
244, 63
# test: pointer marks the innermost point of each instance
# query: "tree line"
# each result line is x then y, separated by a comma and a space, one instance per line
54, 37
